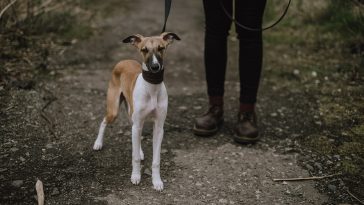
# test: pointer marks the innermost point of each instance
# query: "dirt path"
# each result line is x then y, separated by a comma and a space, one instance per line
195, 170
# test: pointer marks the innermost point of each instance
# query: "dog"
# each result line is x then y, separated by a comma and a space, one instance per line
142, 89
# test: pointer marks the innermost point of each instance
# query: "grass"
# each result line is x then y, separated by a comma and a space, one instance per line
59, 24
329, 41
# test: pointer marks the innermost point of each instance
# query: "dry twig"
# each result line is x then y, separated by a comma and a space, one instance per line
44, 115
305, 178
6, 8
356, 198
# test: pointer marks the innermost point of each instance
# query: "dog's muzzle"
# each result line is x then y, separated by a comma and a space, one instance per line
154, 64
154, 68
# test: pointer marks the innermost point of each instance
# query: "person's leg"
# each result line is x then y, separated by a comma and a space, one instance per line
217, 26
249, 13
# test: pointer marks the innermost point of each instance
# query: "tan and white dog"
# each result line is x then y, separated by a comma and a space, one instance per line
143, 90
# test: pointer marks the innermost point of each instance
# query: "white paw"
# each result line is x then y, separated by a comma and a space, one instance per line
158, 184
97, 145
135, 179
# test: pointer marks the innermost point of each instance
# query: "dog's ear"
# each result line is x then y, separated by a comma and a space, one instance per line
134, 39
169, 37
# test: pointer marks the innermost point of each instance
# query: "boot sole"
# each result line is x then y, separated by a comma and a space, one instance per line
207, 133
246, 140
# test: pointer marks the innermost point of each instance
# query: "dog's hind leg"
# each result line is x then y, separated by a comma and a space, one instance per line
114, 98
100, 137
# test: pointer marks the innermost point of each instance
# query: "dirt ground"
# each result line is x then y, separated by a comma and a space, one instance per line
47, 133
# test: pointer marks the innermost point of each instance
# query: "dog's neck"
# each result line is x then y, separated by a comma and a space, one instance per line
152, 78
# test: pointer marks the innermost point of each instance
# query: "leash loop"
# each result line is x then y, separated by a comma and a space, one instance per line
254, 29
167, 9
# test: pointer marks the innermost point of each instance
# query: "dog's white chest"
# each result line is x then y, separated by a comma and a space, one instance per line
149, 99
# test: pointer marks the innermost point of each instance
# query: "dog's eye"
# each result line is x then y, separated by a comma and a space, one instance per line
144, 50
160, 48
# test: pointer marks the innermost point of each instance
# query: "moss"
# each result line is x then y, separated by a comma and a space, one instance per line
321, 144
349, 148
359, 130
349, 167
331, 112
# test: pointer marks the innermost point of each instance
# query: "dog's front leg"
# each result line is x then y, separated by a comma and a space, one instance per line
136, 157
157, 142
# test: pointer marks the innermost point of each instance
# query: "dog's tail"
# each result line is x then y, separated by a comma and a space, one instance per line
114, 98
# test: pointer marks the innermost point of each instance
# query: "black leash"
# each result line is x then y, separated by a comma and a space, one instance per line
168, 4
255, 29
167, 9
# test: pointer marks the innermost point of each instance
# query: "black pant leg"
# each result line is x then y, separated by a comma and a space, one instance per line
249, 13
217, 26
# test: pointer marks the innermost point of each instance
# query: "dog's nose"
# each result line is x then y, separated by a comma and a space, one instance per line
154, 67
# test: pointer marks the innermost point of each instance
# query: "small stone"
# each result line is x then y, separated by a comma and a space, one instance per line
3, 170
22, 159
197, 107
296, 72
55, 192
314, 74
223, 201
273, 114
127, 133
198, 184
309, 167
17, 183
331, 187
14, 149
288, 149
182, 107
148, 172
318, 165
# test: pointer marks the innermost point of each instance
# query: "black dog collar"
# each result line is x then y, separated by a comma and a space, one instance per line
153, 78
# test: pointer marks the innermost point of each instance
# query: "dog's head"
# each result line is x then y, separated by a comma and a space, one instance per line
152, 49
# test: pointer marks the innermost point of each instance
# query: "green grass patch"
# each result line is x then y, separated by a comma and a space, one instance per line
320, 144
344, 18
62, 24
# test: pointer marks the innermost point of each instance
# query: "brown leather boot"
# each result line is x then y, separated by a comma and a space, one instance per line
246, 129
209, 123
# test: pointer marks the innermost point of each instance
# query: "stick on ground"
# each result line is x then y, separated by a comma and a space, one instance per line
6, 8
356, 198
305, 178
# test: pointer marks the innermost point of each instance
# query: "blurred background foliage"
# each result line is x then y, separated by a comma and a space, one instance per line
31, 29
